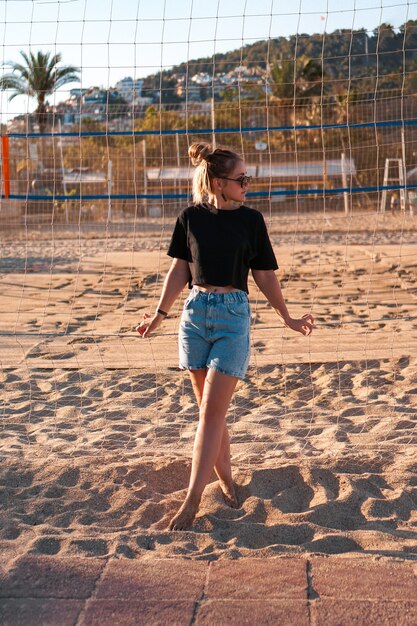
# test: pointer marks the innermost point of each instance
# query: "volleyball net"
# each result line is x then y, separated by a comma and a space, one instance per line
91, 188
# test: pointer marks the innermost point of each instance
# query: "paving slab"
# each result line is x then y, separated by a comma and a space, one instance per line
293, 590
237, 612
137, 612
331, 612
164, 579
359, 579
37, 576
39, 611
252, 579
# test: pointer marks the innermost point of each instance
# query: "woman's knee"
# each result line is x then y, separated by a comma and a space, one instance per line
212, 415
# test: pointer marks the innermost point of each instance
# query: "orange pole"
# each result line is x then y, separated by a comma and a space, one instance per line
6, 164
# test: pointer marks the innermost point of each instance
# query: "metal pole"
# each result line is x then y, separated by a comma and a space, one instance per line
5, 164
64, 184
177, 142
213, 124
344, 182
384, 184
109, 187
177, 180
145, 177
403, 196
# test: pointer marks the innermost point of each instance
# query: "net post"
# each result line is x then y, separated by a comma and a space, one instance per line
344, 181
64, 183
213, 125
6, 165
145, 176
109, 189
404, 195
384, 184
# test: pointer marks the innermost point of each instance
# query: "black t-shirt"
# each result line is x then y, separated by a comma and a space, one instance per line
222, 245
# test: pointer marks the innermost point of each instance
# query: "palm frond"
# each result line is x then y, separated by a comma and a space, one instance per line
38, 76
64, 79
20, 86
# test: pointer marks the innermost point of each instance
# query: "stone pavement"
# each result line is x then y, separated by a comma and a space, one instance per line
302, 590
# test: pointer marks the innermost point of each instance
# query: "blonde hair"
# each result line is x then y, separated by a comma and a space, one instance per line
209, 164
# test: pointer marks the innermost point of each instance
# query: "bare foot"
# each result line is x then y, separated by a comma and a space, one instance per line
229, 494
184, 518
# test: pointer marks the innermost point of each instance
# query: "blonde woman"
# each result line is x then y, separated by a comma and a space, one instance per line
215, 243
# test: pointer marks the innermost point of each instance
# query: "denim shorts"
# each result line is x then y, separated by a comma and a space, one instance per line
215, 332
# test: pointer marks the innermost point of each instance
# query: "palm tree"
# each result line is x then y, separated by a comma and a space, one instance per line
294, 81
39, 77
296, 78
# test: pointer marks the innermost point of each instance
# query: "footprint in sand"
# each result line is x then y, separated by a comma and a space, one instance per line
10, 533
46, 545
125, 551
89, 547
150, 279
54, 492
146, 542
332, 544
13, 478
69, 478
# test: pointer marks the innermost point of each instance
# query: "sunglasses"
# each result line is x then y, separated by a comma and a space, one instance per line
243, 180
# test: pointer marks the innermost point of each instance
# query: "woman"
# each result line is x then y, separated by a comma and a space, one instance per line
214, 244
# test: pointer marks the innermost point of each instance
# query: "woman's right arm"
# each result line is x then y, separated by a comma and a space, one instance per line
174, 283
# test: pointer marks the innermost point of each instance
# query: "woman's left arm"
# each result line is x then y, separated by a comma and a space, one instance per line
268, 283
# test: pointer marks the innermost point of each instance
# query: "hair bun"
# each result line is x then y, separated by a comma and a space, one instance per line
199, 152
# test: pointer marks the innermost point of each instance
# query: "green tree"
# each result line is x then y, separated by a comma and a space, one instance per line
38, 77
292, 82
295, 78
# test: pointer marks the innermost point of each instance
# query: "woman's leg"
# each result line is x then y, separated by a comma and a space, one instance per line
222, 467
217, 393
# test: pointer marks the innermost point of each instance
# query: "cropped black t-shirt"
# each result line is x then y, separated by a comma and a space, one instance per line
222, 245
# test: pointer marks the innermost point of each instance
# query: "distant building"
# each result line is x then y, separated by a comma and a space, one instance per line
100, 105
129, 88
200, 87
69, 118
202, 78
21, 124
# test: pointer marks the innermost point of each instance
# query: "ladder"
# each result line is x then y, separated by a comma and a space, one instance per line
399, 179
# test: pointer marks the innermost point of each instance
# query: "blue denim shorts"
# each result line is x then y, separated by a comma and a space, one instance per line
215, 332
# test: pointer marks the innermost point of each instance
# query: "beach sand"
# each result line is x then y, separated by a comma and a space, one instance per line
97, 424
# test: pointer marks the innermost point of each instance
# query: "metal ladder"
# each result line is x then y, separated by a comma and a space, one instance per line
400, 179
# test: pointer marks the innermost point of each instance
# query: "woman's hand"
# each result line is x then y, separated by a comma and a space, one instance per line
149, 324
304, 325
174, 283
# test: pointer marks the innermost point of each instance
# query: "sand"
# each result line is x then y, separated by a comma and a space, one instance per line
97, 424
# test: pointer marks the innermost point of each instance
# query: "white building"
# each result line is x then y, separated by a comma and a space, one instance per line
129, 88
202, 79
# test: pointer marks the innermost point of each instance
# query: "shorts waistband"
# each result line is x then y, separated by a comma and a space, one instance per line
231, 296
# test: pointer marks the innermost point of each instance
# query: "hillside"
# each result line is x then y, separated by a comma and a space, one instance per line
344, 55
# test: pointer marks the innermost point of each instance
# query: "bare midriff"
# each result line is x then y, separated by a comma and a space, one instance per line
216, 288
